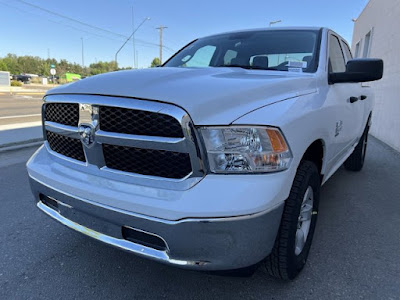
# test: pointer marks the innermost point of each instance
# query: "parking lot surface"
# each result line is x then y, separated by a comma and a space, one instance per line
17, 108
355, 253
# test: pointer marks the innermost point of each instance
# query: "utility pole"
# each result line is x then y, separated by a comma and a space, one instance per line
161, 28
83, 57
133, 40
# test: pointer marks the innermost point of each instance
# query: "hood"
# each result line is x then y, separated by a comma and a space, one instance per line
211, 96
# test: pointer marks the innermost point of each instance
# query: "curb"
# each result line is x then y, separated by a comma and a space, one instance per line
21, 145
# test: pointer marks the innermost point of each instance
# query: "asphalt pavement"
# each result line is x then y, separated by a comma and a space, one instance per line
17, 108
355, 254
20, 118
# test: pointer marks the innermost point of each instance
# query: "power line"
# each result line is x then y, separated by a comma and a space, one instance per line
117, 36
69, 18
133, 33
83, 23
120, 36
60, 23
154, 44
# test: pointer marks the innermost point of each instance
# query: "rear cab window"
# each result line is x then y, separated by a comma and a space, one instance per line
347, 51
336, 61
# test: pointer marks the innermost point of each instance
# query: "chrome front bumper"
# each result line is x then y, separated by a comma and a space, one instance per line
202, 244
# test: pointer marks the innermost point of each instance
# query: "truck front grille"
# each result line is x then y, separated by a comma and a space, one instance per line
126, 137
139, 122
65, 145
62, 113
152, 162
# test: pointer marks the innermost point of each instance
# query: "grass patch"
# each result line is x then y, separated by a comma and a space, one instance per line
16, 83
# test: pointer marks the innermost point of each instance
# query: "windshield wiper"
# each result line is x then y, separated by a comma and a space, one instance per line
235, 66
246, 67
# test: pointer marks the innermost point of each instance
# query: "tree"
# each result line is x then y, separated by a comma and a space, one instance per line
3, 66
103, 67
36, 65
156, 62
12, 64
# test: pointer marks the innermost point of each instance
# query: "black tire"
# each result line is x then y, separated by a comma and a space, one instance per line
283, 263
355, 162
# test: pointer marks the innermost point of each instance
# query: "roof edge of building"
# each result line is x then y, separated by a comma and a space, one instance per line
365, 7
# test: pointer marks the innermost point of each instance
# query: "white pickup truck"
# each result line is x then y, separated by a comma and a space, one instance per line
213, 161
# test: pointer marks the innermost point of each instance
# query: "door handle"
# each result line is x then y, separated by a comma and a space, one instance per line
353, 99
363, 97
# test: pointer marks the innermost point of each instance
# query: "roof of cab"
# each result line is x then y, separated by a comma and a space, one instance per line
268, 29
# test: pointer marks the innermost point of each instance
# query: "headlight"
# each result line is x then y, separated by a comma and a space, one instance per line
238, 149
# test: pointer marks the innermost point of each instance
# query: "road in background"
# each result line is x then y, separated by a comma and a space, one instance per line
21, 106
16, 109
20, 116
355, 252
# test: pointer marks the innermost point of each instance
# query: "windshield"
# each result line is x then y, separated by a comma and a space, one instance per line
281, 50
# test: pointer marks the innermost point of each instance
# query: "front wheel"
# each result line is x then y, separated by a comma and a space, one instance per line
296, 231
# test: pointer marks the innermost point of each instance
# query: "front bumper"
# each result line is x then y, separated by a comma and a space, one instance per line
202, 244
223, 222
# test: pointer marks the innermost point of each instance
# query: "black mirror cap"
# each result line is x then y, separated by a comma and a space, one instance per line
359, 70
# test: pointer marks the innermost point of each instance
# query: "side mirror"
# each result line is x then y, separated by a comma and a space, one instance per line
359, 70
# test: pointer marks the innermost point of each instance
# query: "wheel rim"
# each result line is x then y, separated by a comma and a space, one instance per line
304, 220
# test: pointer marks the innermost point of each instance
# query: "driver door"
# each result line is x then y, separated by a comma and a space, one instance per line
347, 107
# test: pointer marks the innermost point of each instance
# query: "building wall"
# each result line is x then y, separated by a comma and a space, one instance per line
382, 19
4, 78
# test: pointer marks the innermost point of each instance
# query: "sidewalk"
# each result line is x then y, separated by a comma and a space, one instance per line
31, 89
15, 136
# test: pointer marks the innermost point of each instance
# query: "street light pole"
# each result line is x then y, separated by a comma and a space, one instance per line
274, 22
83, 57
127, 40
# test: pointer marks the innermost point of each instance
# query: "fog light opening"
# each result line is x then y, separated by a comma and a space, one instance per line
50, 202
143, 238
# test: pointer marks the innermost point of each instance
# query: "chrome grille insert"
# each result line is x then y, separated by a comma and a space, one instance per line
163, 152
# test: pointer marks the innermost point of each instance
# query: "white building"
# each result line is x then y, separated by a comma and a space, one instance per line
4, 78
377, 35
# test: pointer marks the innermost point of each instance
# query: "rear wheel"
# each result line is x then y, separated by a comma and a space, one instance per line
355, 162
296, 231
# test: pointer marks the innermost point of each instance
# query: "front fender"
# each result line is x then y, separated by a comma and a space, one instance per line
301, 119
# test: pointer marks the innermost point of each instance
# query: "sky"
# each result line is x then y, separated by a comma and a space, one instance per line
58, 32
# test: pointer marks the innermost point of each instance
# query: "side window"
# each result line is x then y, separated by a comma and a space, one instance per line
347, 51
201, 58
229, 55
357, 52
336, 58
367, 44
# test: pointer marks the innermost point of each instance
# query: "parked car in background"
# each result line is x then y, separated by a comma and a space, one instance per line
215, 160
23, 78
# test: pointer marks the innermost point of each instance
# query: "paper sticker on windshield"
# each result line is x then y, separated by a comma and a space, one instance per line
298, 70
297, 64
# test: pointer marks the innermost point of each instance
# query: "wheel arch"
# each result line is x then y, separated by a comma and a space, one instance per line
316, 154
